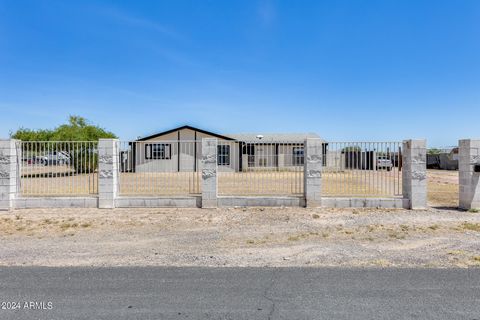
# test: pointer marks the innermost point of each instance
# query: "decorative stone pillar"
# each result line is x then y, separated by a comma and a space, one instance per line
107, 172
209, 173
469, 173
9, 176
313, 172
414, 173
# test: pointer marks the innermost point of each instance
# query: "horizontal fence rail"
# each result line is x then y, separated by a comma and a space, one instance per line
166, 168
365, 169
260, 168
60, 168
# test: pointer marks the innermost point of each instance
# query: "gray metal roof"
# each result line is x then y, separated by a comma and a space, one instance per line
273, 137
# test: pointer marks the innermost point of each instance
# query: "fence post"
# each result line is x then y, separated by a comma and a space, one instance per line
469, 173
414, 173
107, 172
312, 176
209, 173
8, 173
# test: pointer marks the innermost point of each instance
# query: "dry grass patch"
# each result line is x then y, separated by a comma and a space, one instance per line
305, 235
66, 225
442, 186
470, 226
456, 252
442, 194
396, 235
293, 238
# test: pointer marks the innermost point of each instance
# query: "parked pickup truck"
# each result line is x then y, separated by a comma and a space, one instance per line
384, 163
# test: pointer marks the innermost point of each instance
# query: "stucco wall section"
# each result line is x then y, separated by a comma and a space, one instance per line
469, 179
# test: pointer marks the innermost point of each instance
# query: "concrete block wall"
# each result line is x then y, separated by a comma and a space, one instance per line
56, 202
414, 173
8, 173
469, 185
209, 173
388, 203
264, 201
313, 172
158, 202
107, 172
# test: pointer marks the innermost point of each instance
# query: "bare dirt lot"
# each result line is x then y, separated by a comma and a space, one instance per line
442, 184
240, 237
442, 188
61, 180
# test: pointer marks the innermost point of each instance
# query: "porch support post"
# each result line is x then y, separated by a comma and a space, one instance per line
209, 173
469, 173
414, 173
9, 176
312, 176
107, 172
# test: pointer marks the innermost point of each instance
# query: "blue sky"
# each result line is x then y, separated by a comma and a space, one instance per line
348, 70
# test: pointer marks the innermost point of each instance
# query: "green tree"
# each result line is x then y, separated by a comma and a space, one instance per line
77, 129
25, 134
434, 151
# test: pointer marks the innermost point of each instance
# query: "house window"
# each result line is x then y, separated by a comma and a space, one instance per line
223, 155
161, 151
298, 157
262, 162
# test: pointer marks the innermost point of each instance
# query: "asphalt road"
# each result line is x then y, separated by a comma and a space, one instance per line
240, 293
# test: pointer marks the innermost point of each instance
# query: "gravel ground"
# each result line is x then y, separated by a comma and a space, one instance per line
240, 237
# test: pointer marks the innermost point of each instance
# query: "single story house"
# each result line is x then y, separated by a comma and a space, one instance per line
180, 149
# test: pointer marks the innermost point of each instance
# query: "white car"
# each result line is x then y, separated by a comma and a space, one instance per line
54, 158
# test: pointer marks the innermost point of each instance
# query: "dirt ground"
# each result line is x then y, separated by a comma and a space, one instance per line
341, 183
442, 184
439, 237
240, 237
442, 187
